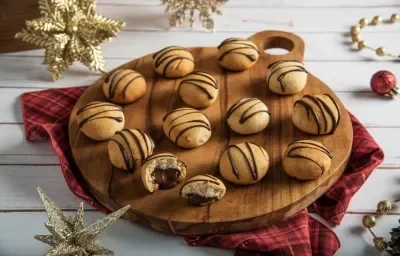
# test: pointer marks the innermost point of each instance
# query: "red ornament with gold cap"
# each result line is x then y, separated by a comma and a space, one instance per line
384, 83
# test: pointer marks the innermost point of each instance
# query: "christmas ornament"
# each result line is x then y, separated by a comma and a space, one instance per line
384, 83
70, 30
369, 221
69, 236
355, 33
187, 9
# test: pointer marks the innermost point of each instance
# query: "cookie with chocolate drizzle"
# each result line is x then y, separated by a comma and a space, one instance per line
124, 86
286, 77
128, 148
100, 120
203, 190
316, 114
244, 163
187, 127
248, 116
198, 89
237, 54
162, 171
173, 62
306, 159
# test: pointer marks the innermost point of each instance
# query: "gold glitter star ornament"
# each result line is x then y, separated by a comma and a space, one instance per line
69, 236
187, 9
69, 31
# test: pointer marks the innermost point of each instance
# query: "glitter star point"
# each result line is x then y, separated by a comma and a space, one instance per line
69, 236
186, 10
69, 31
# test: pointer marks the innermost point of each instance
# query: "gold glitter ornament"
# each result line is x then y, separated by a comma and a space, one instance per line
69, 31
355, 30
384, 207
363, 22
69, 236
395, 17
377, 20
380, 51
380, 243
182, 9
369, 221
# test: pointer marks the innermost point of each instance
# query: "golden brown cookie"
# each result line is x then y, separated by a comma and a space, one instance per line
173, 62
100, 120
163, 171
244, 163
203, 190
286, 77
318, 114
124, 86
128, 148
237, 54
187, 127
248, 116
198, 89
306, 159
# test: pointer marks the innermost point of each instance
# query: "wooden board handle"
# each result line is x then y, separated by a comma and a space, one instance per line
279, 39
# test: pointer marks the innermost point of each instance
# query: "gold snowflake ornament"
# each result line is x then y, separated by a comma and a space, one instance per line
187, 9
70, 30
69, 236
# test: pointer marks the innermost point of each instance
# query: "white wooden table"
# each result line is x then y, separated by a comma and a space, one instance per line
25, 166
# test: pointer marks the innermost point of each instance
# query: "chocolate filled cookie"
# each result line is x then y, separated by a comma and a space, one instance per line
127, 148
198, 89
100, 120
244, 163
248, 116
286, 77
173, 62
163, 171
316, 114
306, 159
124, 86
237, 54
203, 190
187, 127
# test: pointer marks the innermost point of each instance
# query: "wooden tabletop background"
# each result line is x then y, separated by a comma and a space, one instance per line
322, 24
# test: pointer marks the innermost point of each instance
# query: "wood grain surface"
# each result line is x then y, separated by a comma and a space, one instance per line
243, 208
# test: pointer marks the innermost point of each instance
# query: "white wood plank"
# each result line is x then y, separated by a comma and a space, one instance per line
130, 239
383, 184
253, 19
319, 46
124, 238
19, 183
367, 106
271, 3
28, 73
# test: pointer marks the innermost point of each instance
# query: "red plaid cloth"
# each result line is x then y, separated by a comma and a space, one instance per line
46, 116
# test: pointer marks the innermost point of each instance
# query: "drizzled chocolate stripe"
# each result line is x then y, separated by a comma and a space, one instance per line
115, 83
191, 121
149, 148
309, 110
252, 168
96, 104
129, 83
159, 58
93, 117
251, 57
304, 157
194, 81
317, 147
196, 180
337, 109
174, 111
189, 128
272, 65
137, 141
209, 176
186, 114
317, 102
125, 156
237, 41
295, 68
244, 117
123, 150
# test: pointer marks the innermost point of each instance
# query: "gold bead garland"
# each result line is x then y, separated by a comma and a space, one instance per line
369, 221
355, 33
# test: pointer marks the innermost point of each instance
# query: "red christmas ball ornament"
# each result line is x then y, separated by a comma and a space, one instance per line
384, 83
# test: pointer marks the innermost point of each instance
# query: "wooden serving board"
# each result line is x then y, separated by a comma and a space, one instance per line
243, 208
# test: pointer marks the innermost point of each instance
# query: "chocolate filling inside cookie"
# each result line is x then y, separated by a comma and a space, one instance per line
197, 199
166, 178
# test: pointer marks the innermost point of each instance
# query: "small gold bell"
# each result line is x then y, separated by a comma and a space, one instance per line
363, 22
369, 221
380, 51
384, 207
377, 20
